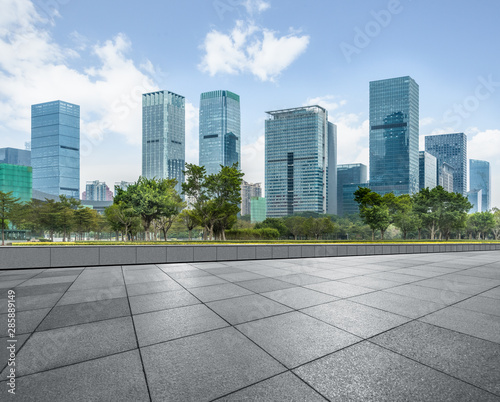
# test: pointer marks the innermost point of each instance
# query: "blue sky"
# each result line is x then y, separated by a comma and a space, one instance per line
274, 53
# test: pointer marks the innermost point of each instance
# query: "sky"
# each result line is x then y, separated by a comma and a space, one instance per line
276, 54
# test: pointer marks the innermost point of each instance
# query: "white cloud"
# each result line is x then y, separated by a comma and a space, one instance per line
256, 6
250, 49
253, 160
327, 101
484, 145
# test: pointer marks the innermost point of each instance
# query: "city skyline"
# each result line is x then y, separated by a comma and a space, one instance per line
105, 68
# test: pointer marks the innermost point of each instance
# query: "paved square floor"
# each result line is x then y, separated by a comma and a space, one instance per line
422, 327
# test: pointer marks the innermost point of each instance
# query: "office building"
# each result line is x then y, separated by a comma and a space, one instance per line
352, 174
258, 209
349, 205
220, 140
451, 149
475, 197
427, 170
122, 184
55, 148
446, 177
297, 159
248, 190
331, 176
480, 179
97, 191
18, 179
163, 136
14, 156
394, 123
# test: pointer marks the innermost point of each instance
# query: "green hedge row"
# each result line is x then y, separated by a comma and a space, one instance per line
252, 234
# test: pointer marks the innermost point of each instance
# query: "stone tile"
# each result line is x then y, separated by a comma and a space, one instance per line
405, 306
152, 287
295, 338
60, 272
493, 293
366, 372
59, 347
240, 276
26, 321
161, 301
4, 352
480, 304
200, 281
403, 278
358, 319
48, 281
274, 272
467, 358
165, 325
188, 274
246, 308
219, 292
73, 314
95, 283
41, 289
339, 289
370, 282
441, 296
90, 295
5, 284
205, 366
265, 285
299, 297
89, 381
281, 388
331, 274
302, 279
454, 285
480, 325
474, 280
32, 302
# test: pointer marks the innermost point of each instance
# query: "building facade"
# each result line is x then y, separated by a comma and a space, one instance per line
248, 190
220, 128
14, 156
97, 191
427, 170
331, 177
349, 174
394, 131
55, 148
258, 209
480, 179
475, 197
18, 179
450, 149
297, 160
163, 136
446, 177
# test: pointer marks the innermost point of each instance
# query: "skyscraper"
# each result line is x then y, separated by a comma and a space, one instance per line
220, 141
427, 170
475, 197
452, 149
480, 179
352, 174
14, 156
331, 177
297, 159
55, 148
248, 190
163, 136
97, 191
394, 122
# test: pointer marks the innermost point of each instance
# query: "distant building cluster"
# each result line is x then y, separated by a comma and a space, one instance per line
301, 170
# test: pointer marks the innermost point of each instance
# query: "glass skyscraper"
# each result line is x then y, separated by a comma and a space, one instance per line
55, 148
14, 156
394, 122
297, 159
163, 136
353, 175
220, 140
331, 177
480, 179
450, 149
428, 170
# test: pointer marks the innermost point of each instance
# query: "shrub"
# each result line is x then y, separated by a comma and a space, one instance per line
252, 234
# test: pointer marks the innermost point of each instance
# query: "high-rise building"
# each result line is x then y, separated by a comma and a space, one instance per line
427, 170
452, 149
331, 177
220, 140
122, 184
97, 191
248, 190
163, 136
445, 177
258, 209
480, 179
14, 156
18, 179
394, 122
349, 174
55, 148
297, 159
475, 197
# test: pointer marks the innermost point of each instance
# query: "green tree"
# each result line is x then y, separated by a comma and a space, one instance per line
374, 209
404, 218
496, 219
274, 223
7, 207
170, 205
296, 225
317, 227
190, 220
85, 220
66, 214
121, 218
481, 223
